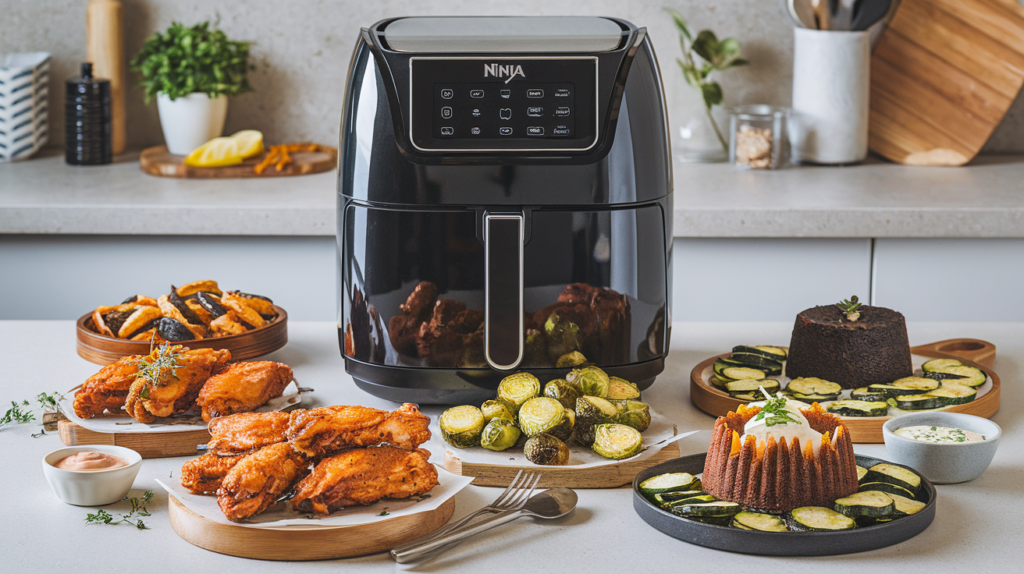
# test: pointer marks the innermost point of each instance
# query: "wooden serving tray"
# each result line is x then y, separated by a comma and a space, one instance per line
607, 476
148, 445
104, 350
302, 542
973, 352
162, 163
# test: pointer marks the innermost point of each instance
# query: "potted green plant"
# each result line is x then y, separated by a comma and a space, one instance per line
191, 71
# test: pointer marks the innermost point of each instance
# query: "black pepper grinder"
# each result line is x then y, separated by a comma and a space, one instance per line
87, 120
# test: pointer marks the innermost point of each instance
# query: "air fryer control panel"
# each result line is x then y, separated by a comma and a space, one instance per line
496, 104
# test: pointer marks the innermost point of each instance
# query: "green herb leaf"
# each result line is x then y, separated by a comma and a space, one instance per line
712, 93
15, 414
680, 23
160, 370
138, 508
707, 47
851, 307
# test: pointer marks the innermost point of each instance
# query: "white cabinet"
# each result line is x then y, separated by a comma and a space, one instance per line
950, 279
765, 279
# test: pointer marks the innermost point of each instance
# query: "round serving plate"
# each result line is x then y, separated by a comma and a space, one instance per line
305, 542
971, 352
779, 543
104, 350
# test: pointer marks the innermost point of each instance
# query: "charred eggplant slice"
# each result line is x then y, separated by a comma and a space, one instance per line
139, 318
182, 307
208, 302
115, 320
173, 330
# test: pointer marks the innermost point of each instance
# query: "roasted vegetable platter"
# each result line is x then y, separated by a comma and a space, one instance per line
733, 536
942, 381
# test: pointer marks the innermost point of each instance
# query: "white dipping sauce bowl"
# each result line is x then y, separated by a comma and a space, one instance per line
943, 463
93, 487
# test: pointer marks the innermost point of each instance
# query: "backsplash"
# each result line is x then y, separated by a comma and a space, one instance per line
301, 50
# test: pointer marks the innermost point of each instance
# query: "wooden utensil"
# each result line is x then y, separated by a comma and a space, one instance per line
160, 162
104, 47
943, 75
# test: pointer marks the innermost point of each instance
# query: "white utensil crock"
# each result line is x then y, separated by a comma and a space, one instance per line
831, 81
191, 120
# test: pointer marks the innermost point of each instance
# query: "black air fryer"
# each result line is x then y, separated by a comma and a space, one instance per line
504, 201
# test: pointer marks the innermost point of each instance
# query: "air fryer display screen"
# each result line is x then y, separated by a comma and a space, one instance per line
495, 104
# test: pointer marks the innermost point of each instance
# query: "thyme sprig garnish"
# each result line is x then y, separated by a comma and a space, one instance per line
48, 402
138, 508
16, 415
777, 408
850, 307
153, 371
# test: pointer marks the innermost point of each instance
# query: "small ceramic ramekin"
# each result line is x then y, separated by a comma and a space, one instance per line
943, 463
96, 487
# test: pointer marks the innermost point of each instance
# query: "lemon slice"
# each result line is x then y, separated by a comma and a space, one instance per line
224, 151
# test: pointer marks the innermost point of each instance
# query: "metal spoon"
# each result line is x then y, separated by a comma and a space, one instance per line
549, 504
866, 13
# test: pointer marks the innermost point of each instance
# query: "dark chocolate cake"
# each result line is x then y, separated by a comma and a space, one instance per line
872, 349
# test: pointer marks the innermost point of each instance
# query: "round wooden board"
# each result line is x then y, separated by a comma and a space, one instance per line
294, 543
162, 163
103, 350
606, 476
973, 352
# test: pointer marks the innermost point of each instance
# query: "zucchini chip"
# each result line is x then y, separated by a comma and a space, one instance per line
761, 522
766, 351
886, 488
954, 393
970, 376
866, 394
861, 473
905, 506
819, 519
669, 482
921, 402
717, 508
745, 386
813, 386
885, 472
665, 498
866, 504
939, 364
737, 373
859, 408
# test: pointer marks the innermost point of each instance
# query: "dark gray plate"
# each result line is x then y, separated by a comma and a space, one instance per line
779, 543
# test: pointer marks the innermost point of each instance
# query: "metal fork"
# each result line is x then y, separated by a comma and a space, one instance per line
513, 498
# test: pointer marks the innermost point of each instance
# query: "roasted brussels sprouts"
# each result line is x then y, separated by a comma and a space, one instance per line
564, 430
563, 392
499, 434
546, 449
497, 409
540, 414
633, 414
590, 381
517, 389
622, 389
535, 351
461, 426
590, 412
569, 360
563, 336
616, 441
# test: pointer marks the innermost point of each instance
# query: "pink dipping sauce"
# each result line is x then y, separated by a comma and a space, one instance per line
89, 461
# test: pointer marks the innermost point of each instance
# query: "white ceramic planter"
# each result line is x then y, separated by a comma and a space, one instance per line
191, 120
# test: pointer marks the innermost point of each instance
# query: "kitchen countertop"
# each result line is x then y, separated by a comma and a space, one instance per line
975, 528
875, 199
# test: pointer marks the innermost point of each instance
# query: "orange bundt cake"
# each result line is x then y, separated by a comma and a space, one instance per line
780, 457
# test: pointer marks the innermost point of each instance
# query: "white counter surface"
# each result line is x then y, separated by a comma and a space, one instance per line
876, 199
976, 525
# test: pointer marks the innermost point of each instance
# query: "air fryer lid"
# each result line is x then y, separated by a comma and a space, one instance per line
503, 34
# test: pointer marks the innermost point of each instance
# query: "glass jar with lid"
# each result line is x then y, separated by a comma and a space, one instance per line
757, 137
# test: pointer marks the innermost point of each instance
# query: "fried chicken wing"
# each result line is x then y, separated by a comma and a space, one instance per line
245, 432
363, 476
107, 390
203, 475
243, 387
327, 430
256, 481
170, 379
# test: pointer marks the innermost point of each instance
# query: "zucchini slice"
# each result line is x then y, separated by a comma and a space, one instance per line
737, 373
819, 519
866, 394
917, 402
778, 353
761, 522
813, 398
701, 509
813, 386
694, 499
861, 473
867, 504
670, 482
859, 408
756, 361
766, 351
916, 384
721, 364
905, 506
939, 364
753, 386
719, 382
663, 498
939, 376
720, 520
972, 377
955, 393
886, 488
749, 397
885, 472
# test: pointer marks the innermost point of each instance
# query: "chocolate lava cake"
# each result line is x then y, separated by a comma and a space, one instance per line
827, 345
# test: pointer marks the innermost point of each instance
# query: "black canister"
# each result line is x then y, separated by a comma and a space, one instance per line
87, 119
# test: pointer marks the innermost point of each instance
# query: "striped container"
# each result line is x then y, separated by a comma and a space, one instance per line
24, 91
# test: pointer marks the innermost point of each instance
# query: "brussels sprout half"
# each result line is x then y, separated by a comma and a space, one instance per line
563, 392
622, 389
589, 381
633, 414
497, 409
499, 434
517, 389
569, 360
546, 449
592, 411
616, 441
563, 336
461, 426
540, 414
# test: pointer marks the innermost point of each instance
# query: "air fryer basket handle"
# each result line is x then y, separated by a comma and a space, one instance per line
503, 290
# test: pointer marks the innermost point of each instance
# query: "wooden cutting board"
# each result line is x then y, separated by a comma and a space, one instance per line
972, 352
943, 75
160, 162
148, 445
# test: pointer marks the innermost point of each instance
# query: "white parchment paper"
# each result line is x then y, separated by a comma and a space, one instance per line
126, 424
281, 514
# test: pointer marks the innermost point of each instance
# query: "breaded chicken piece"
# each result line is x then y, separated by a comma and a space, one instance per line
327, 430
203, 475
107, 390
255, 482
174, 388
245, 432
243, 388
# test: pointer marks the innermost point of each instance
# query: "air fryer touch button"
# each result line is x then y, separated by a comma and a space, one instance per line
476, 93
535, 93
505, 113
447, 93
535, 131
562, 112
476, 112
475, 131
561, 130
446, 112
535, 111
506, 94
447, 131
505, 131
562, 93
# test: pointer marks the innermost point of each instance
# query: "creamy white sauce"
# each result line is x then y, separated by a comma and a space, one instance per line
800, 429
939, 435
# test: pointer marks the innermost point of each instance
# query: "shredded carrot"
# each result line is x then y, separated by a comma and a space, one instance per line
285, 158
269, 160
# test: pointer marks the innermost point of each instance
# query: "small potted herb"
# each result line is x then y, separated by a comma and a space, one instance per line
191, 71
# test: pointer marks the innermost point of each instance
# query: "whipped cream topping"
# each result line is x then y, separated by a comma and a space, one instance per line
782, 420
